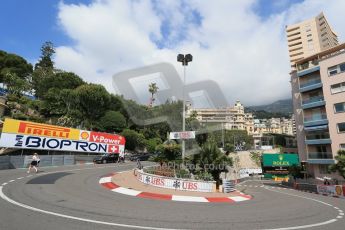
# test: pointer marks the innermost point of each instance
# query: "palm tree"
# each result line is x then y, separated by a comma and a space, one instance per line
211, 160
153, 88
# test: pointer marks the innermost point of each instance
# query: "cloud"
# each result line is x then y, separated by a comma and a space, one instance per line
231, 44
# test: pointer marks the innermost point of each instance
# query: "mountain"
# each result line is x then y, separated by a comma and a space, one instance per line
277, 109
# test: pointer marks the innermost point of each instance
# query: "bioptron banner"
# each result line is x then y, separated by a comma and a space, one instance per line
31, 135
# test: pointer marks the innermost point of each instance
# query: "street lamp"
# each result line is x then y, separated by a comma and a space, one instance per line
184, 59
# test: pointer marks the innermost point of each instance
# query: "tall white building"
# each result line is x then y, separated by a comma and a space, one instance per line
309, 37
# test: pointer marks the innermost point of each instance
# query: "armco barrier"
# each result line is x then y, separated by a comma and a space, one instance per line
11, 162
16, 162
57, 160
69, 160
175, 183
4, 162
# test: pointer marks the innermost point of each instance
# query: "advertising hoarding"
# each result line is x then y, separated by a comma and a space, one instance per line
280, 160
31, 135
175, 183
182, 135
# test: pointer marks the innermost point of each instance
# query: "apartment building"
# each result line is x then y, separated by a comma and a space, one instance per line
309, 37
274, 125
318, 92
229, 117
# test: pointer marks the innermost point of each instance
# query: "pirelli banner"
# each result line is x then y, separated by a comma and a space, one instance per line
31, 135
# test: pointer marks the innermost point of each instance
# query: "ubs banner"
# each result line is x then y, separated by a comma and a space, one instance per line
31, 135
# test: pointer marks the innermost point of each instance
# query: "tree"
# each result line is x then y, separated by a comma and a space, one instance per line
152, 144
47, 52
153, 88
295, 171
211, 160
14, 64
15, 85
112, 121
92, 101
229, 147
134, 140
340, 165
169, 151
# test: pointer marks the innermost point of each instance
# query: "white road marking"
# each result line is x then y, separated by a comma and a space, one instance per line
10, 181
4, 184
3, 196
19, 178
105, 180
126, 191
189, 198
305, 226
238, 198
339, 217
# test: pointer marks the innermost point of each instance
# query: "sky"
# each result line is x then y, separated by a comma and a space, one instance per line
239, 44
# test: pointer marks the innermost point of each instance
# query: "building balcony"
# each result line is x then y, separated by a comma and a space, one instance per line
313, 102
320, 155
318, 140
308, 70
320, 158
321, 119
310, 85
315, 128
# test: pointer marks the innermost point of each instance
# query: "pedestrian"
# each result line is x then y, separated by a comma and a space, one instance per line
33, 163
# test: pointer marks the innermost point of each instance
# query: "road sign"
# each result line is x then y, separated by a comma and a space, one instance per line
182, 135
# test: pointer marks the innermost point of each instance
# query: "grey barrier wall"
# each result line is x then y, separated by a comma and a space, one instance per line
69, 160
4, 162
16, 162
57, 160
11, 162
302, 186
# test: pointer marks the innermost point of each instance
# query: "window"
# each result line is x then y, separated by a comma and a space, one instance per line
333, 70
309, 35
339, 107
310, 40
336, 69
342, 67
338, 88
341, 127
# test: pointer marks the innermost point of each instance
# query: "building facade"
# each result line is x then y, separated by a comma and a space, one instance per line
309, 37
318, 92
229, 117
235, 118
